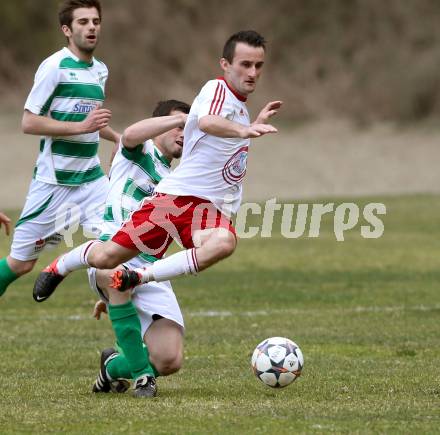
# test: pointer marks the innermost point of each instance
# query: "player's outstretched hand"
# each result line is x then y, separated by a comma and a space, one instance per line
100, 307
6, 222
269, 110
96, 120
257, 130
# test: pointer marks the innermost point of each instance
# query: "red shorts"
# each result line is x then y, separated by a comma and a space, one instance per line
152, 228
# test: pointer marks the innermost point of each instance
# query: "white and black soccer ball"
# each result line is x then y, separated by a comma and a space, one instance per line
277, 361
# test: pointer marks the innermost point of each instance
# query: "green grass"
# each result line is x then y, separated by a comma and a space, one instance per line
366, 314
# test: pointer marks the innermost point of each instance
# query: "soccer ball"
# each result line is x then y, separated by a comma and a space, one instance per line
277, 362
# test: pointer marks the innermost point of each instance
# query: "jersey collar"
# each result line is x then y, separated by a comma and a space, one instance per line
78, 60
239, 96
161, 157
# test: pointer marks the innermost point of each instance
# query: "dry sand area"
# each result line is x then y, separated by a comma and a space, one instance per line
320, 159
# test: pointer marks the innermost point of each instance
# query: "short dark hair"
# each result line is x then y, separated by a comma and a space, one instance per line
164, 108
250, 37
65, 11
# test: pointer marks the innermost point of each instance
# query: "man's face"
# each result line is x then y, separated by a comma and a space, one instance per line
245, 69
171, 142
85, 29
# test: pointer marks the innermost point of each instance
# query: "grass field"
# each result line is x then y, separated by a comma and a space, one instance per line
366, 314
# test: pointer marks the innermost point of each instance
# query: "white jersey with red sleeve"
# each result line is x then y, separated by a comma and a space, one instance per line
212, 167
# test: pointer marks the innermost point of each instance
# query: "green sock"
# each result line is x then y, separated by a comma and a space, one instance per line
127, 328
6, 275
156, 373
118, 368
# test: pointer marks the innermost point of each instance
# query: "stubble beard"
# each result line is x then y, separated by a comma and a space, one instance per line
86, 48
177, 154
83, 47
248, 89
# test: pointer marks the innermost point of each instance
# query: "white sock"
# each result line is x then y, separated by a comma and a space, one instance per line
75, 259
181, 263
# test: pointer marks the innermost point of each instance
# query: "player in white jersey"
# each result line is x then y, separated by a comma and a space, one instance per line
151, 313
148, 323
64, 107
193, 205
213, 166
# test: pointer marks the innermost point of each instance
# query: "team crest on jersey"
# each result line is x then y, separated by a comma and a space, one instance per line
235, 168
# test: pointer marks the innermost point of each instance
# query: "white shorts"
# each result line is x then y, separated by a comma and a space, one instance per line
151, 299
53, 212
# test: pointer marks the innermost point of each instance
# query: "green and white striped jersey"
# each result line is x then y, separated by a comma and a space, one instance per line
133, 176
67, 89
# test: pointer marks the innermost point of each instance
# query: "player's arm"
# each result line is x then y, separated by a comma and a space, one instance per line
40, 125
113, 136
6, 222
34, 120
141, 131
109, 134
216, 125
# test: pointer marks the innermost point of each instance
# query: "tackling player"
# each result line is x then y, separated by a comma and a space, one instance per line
193, 204
150, 313
64, 107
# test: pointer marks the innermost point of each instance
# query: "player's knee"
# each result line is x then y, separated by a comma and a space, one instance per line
225, 245
169, 364
104, 260
26, 267
22, 267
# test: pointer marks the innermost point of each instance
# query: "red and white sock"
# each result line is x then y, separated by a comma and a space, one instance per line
181, 263
75, 259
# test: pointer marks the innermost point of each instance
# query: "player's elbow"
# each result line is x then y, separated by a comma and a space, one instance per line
27, 123
205, 123
129, 138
